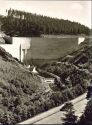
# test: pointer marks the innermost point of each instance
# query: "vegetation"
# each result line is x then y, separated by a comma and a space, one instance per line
86, 118
23, 95
80, 64
70, 118
69, 74
19, 91
67, 106
35, 25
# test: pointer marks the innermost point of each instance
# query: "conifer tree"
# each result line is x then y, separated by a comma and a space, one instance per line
86, 118
70, 117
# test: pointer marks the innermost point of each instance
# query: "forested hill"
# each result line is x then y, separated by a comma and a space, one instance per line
20, 23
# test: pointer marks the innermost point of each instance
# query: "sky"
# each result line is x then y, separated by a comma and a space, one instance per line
79, 11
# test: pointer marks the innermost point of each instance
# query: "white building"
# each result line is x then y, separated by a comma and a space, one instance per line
19, 47
34, 71
48, 80
81, 39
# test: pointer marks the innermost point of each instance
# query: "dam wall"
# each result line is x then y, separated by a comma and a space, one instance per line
19, 47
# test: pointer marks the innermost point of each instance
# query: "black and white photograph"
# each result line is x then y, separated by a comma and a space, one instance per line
45, 62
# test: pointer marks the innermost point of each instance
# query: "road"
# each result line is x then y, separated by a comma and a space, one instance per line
54, 116
57, 117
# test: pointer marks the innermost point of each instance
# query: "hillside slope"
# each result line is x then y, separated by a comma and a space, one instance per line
35, 25
18, 89
23, 95
75, 67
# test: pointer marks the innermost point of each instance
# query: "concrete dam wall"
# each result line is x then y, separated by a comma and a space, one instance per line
41, 48
19, 47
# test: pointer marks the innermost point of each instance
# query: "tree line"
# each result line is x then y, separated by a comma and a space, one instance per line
20, 23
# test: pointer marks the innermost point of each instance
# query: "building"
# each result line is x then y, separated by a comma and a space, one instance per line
18, 48
34, 71
81, 39
48, 80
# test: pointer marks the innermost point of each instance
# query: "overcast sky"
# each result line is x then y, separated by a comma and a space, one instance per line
79, 11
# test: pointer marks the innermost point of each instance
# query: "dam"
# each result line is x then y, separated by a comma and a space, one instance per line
41, 48
53, 48
18, 48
